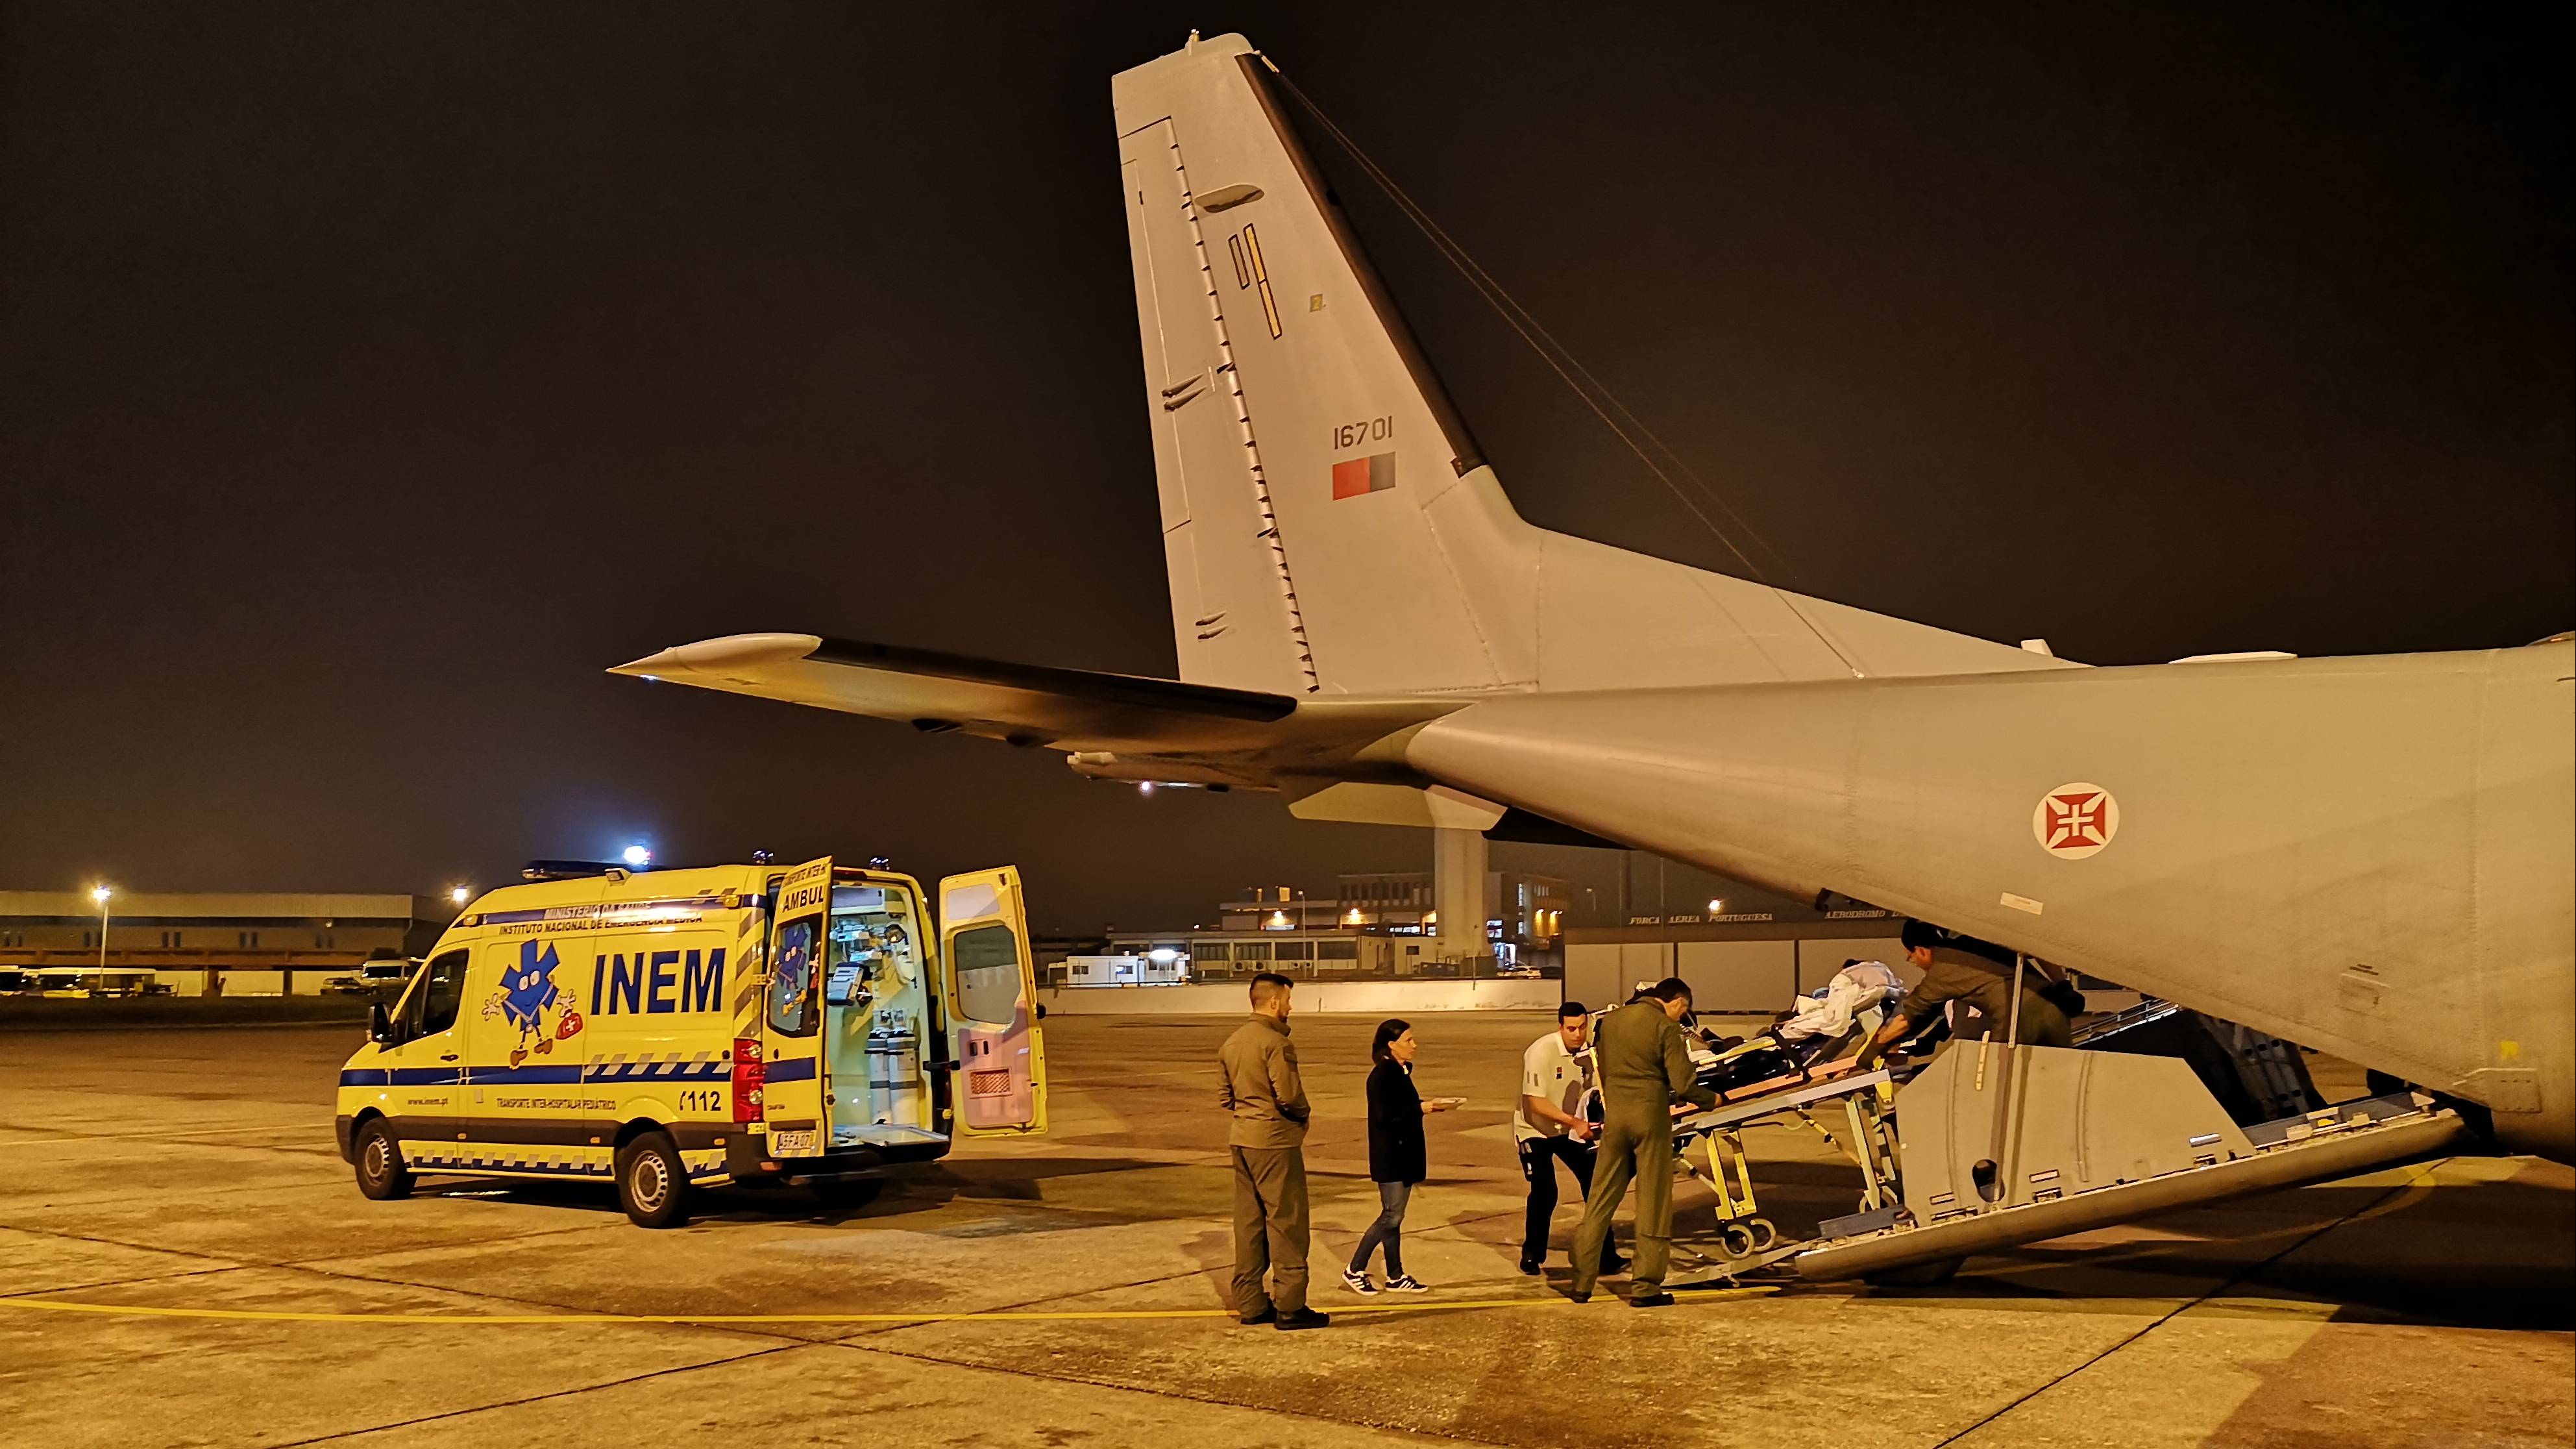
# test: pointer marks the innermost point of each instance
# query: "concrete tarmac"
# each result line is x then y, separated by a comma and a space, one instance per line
193, 1170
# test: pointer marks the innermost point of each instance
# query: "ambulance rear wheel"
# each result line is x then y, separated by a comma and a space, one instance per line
652, 1182
381, 1173
847, 1194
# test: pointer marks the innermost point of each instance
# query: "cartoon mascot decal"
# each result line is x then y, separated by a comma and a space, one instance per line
528, 993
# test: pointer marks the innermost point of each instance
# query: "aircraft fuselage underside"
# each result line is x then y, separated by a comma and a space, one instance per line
2370, 856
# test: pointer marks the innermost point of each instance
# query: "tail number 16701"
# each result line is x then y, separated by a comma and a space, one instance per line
1367, 430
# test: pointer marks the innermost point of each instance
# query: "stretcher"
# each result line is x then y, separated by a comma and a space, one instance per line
1709, 1145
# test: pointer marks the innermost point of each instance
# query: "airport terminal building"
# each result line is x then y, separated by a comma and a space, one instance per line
241, 944
1375, 924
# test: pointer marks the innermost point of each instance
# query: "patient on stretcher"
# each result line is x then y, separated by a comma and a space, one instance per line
1808, 1035
1826, 1017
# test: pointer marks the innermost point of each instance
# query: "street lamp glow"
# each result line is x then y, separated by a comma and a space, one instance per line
638, 857
460, 895
100, 894
1715, 907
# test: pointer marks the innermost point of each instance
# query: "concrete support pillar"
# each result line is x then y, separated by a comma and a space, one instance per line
1458, 892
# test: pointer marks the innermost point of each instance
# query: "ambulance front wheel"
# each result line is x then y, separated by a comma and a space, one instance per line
381, 1173
652, 1182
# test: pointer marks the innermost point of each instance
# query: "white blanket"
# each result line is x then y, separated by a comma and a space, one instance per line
1859, 987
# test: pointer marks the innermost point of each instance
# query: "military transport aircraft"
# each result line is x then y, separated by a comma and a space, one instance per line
2370, 856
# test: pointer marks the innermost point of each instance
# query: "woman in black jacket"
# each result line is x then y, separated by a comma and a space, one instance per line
1395, 1155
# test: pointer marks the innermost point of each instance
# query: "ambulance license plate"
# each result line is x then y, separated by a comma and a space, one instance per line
794, 1144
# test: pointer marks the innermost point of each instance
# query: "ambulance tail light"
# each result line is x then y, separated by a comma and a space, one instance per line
750, 1075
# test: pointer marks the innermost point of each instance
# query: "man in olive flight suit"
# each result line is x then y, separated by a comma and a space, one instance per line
1644, 1070
1265, 1101
1962, 968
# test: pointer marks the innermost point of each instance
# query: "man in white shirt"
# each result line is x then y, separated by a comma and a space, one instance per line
1549, 1128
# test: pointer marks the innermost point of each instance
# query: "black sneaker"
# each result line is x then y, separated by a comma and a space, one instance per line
1657, 1299
1578, 1295
1612, 1265
1303, 1318
1268, 1314
1532, 1265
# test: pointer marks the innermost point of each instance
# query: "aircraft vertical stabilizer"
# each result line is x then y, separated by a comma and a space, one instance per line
1329, 522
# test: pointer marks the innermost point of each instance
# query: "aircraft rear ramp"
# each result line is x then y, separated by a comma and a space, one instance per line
1992, 1146
2359, 1140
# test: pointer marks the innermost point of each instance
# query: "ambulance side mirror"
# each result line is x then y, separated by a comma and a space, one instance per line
380, 1026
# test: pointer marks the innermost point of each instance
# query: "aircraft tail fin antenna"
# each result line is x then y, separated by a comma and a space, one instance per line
1595, 394
1330, 523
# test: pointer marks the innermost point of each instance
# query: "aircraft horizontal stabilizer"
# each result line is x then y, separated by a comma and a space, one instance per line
1120, 726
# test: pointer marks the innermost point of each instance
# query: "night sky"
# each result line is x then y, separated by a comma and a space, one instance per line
376, 376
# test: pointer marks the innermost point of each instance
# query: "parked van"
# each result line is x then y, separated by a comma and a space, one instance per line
668, 1030
374, 978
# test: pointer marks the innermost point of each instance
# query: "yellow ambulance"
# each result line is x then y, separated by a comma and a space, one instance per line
673, 1029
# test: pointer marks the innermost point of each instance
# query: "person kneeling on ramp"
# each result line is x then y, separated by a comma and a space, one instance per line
1645, 1070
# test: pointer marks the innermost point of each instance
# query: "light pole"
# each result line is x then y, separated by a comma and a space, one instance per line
100, 894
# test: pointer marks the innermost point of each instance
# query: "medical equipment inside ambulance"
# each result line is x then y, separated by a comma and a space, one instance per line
874, 1013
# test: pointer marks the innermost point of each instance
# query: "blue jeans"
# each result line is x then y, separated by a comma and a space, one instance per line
1387, 1230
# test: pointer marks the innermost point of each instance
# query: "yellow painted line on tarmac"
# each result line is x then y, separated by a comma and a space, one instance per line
263, 1315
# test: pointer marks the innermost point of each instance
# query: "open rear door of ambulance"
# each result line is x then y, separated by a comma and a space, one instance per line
992, 1005
791, 1012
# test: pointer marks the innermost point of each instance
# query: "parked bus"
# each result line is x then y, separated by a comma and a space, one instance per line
82, 981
